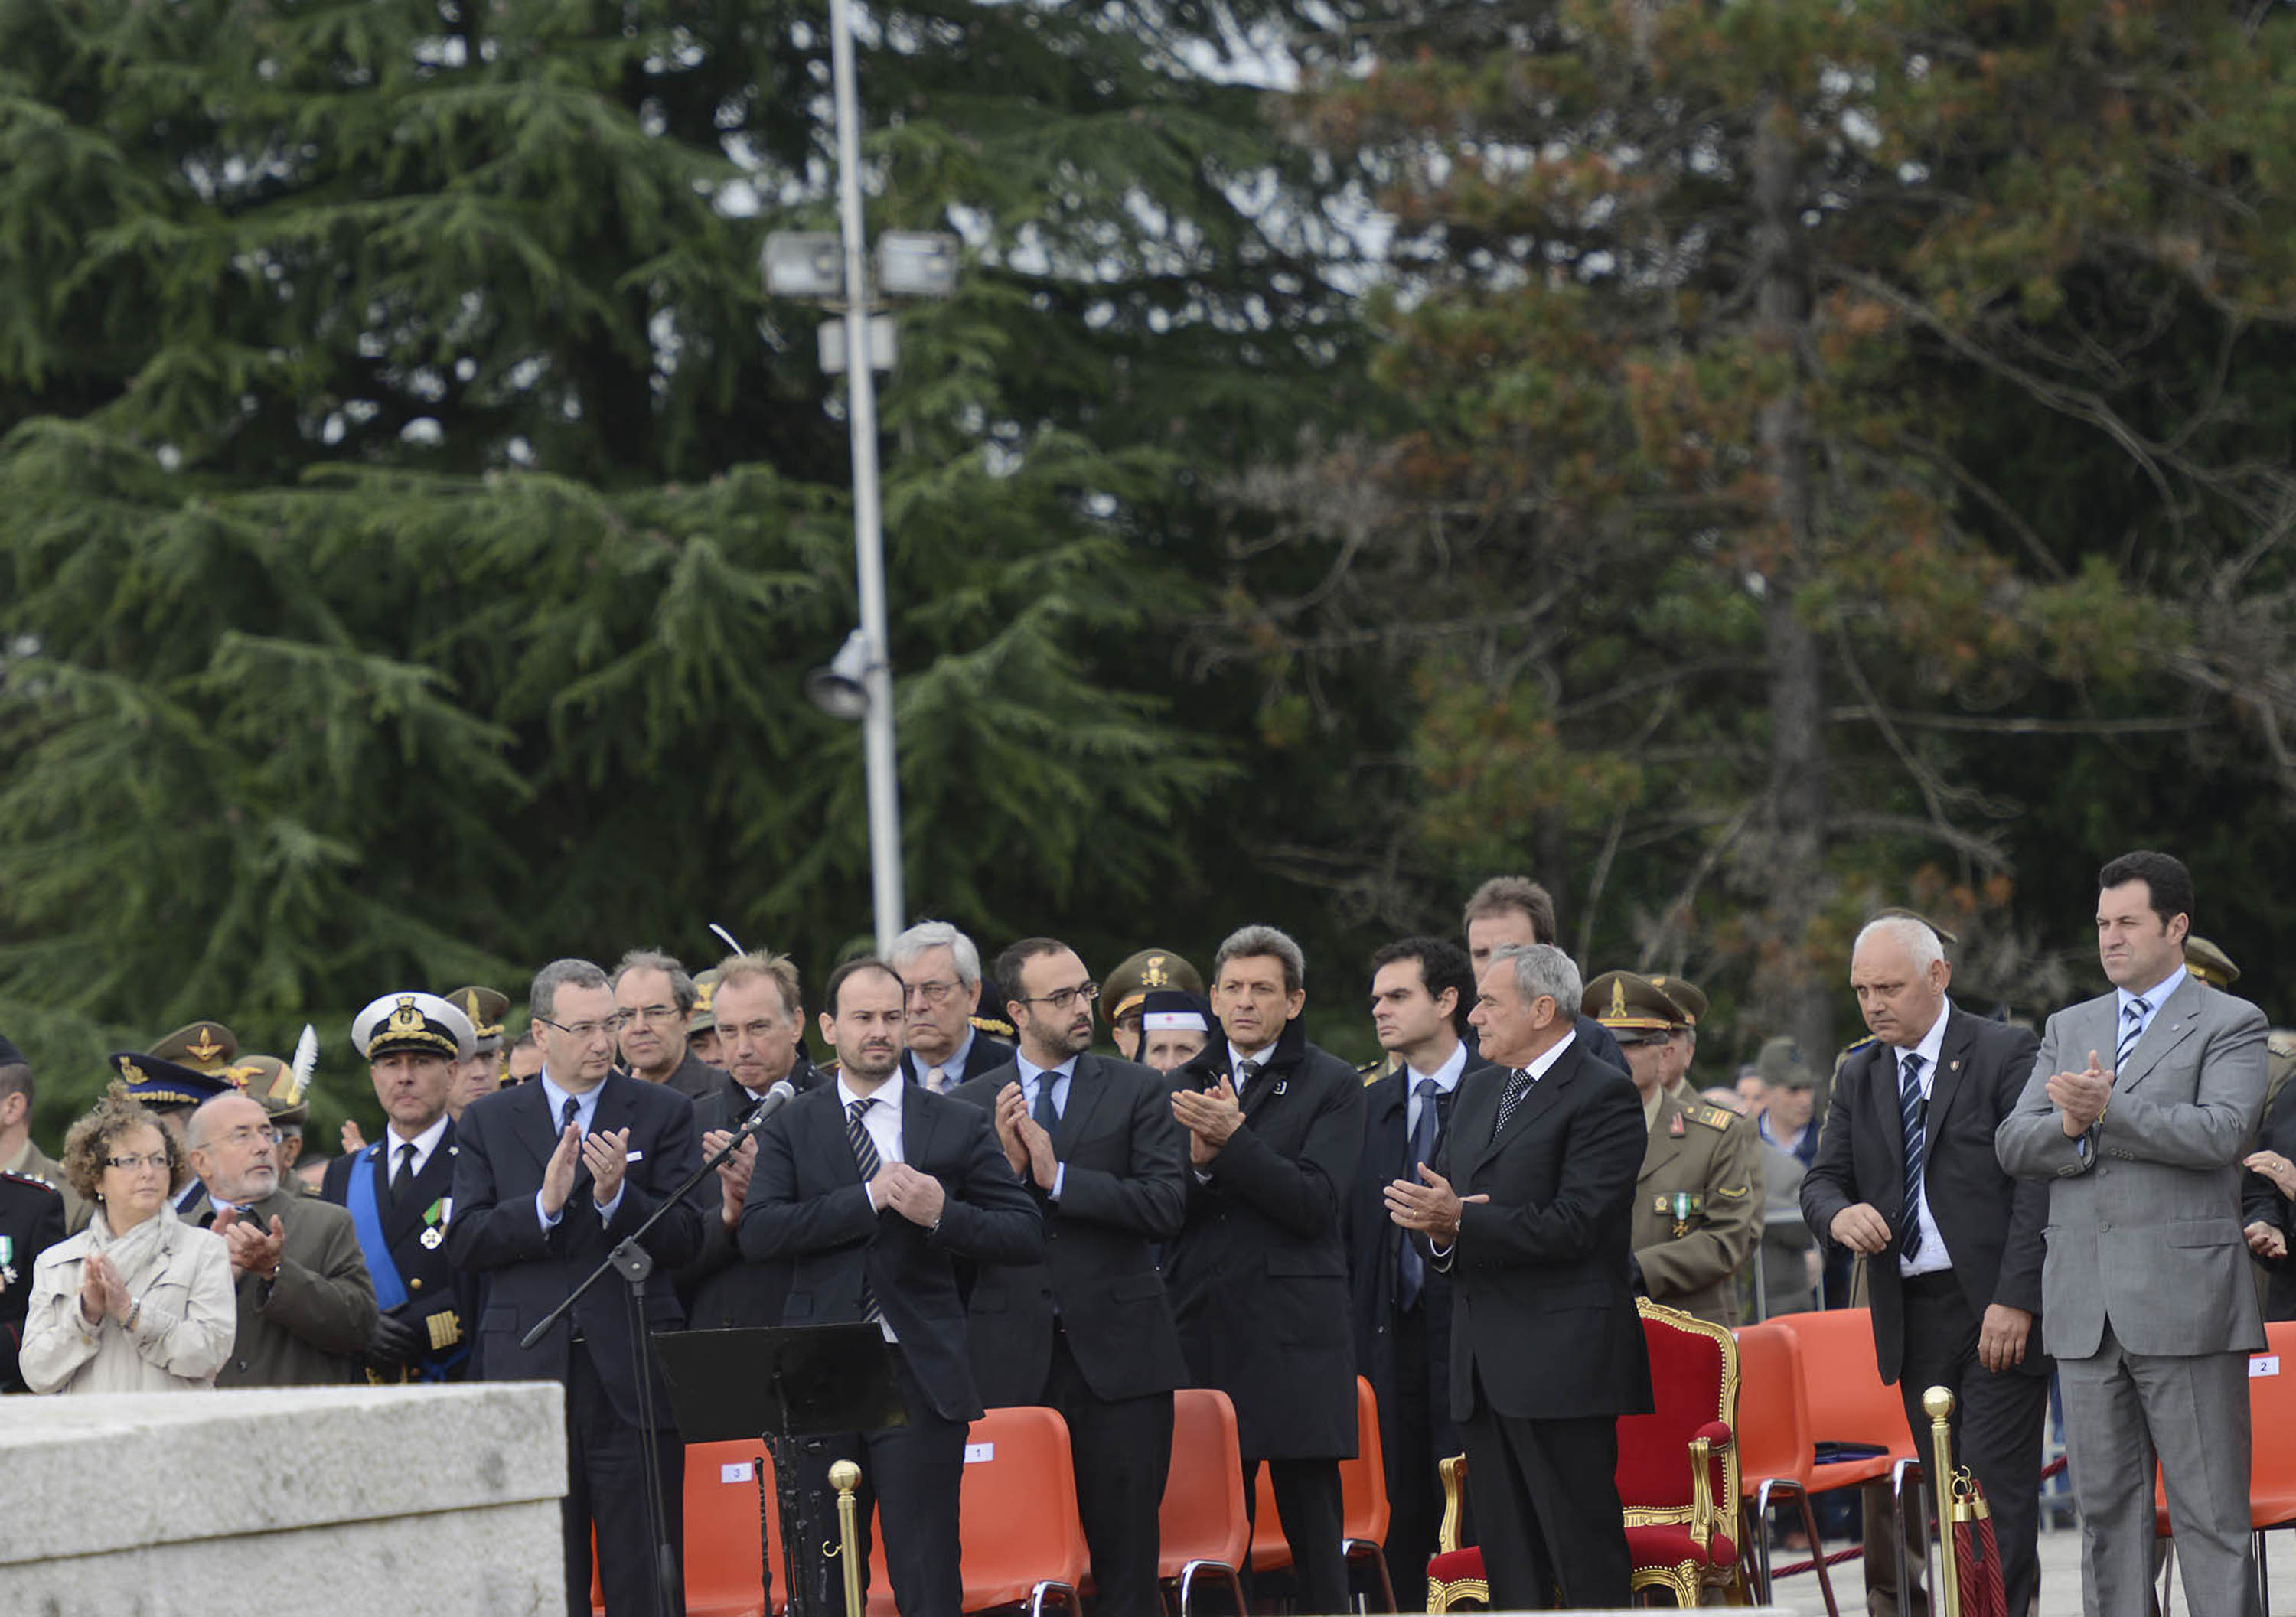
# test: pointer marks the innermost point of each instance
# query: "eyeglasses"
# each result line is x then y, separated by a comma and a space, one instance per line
654, 1012
1061, 999
247, 1134
587, 1030
158, 1159
933, 993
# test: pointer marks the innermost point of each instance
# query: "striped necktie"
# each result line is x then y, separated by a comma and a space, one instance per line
1909, 1109
865, 1159
2132, 1028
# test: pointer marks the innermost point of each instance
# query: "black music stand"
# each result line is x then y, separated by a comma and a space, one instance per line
781, 1384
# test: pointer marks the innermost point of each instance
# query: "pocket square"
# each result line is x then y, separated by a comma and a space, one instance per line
634, 1156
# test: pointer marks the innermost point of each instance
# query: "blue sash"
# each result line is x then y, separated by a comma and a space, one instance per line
390, 1290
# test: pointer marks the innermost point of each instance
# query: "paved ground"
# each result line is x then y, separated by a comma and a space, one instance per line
2060, 1587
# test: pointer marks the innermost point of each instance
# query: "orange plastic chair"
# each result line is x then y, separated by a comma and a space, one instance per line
1775, 1450
1849, 1401
722, 1547
1363, 1505
1023, 1543
1202, 1527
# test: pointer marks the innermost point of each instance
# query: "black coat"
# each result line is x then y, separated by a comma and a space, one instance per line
1258, 1277
722, 1290
1124, 1188
506, 1139
807, 1205
1990, 1222
31, 1221
436, 1288
1375, 1243
695, 1078
1542, 1314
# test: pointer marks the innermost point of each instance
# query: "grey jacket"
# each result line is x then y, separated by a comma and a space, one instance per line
2143, 1227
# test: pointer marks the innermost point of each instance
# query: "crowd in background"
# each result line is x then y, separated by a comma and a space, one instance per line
1221, 1203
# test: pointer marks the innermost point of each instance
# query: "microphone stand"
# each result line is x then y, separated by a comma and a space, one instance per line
635, 1264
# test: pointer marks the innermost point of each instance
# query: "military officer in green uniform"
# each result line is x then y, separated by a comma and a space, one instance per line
400, 1189
1128, 986
1682, 1044
488, 1068
1698, 1199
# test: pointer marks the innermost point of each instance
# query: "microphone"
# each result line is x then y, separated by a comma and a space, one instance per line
774, 1099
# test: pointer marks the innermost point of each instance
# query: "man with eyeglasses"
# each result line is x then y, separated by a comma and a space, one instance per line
306, 1302
656, 999
550, 1177
947, 1043
1088, 1331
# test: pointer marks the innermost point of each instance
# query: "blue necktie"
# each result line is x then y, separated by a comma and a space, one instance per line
2132, 1028
1909, 1108
1411, 1268
1046, 1115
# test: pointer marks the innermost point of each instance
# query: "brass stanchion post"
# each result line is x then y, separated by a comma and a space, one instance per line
845, 1476
1936, 1403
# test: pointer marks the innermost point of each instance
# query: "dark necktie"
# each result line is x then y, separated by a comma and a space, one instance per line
1910, 1108
865, 1159
2132, 1028
1245, 1072
1517, 1085
1047, 1114
1411, 1268
567, 1112
404, 1175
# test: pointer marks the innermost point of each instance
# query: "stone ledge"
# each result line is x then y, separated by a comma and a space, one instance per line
102, 1472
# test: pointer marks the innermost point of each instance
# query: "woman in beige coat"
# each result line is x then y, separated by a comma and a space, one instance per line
138, 1301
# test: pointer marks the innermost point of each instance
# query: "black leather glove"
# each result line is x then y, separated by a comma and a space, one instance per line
393, 1343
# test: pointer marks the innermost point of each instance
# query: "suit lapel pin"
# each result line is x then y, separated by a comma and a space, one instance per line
1281, 1084
1954, 1065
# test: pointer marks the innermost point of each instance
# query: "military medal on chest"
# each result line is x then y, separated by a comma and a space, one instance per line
434, 1220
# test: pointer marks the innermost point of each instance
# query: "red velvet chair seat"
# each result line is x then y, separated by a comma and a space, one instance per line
1670, 1544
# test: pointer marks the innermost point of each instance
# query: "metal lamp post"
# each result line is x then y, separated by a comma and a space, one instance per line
912, 263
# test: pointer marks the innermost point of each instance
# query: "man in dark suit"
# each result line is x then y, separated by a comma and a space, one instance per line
1906, 1175
1087, 1331
400, 1190
1420, 992
947, 1042
550, 1178
875, 1189
1259, 1277
759, 1031
1531, 1211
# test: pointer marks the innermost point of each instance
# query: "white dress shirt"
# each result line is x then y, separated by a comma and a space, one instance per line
424, 1144
586, 1107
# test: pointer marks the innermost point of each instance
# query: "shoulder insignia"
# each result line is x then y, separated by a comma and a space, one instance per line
1714, 1117
31, 1179
1373, 1070
996, 1026
1848, 1050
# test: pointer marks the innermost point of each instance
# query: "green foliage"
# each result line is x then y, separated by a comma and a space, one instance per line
417, 522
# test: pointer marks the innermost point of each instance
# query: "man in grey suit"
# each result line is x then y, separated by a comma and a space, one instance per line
2146, 1299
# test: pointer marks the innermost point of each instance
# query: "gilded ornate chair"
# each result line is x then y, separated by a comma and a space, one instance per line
1677, 1475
